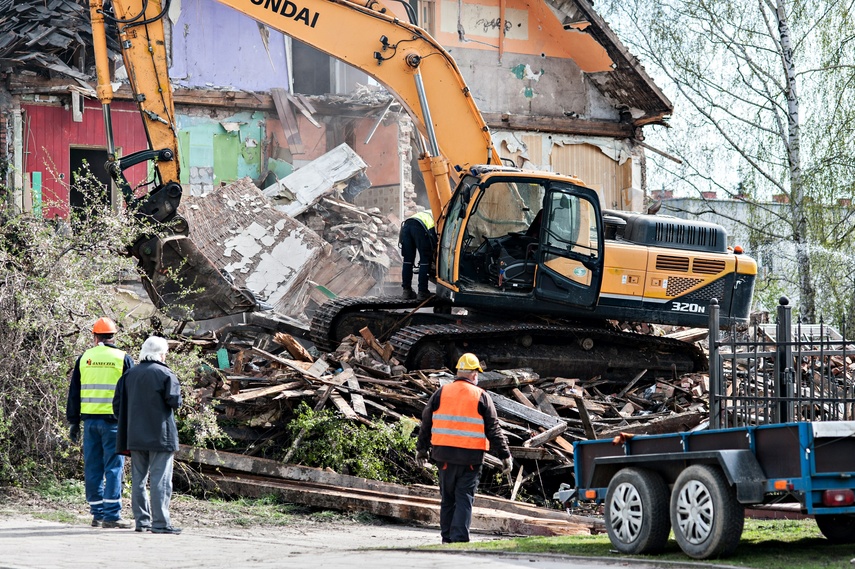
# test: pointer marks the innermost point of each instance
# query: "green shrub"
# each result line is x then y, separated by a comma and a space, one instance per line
379, 452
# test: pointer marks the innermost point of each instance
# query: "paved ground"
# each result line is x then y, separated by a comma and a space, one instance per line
28, 543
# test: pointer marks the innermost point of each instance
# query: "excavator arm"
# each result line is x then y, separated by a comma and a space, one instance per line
401, 56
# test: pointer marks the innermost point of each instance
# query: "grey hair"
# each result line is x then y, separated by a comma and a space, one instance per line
153, 348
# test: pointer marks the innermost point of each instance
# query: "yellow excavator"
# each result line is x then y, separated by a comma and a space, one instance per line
531, 271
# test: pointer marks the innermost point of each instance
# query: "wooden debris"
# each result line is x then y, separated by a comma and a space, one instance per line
295, 348
540, 416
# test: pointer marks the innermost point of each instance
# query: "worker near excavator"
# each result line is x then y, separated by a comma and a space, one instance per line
418, 234
459, 424
90, 399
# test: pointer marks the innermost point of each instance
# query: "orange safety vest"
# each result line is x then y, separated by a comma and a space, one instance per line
456, 422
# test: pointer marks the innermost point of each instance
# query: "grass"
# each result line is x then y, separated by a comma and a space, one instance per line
766, 544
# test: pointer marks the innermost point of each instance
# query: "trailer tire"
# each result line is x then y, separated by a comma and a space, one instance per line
637, 511
837, 528
706, 517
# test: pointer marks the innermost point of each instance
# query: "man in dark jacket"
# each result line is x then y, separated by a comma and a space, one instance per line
145, 399
459, 424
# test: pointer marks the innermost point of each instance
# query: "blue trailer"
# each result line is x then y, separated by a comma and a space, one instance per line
699, 483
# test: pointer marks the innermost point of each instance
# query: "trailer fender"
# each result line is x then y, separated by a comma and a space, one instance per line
739, 466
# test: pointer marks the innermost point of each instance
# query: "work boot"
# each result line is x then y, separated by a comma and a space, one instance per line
423, 295
408, 294
116, 524
96, 523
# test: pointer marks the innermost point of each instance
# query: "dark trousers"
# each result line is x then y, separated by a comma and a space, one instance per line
415, 238
457, 484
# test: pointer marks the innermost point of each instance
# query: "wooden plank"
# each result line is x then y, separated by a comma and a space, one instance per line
543, 402
565, 444
288, 119
570, 402
540, 454
295, 348
517, 484
560, 125
586, 420
630, 385
506, 378
305, 474
383, 351
546, 435
521, 397
250, 394
297, 102
295, 394
343, 406
356, 399
383, 409
310, 372
506, 405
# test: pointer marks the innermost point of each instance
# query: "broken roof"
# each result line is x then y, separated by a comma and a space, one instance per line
628, 85
46, 37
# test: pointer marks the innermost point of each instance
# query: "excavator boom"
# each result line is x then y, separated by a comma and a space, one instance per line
401, 56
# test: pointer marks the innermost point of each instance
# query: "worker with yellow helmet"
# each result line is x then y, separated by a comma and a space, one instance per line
460, 424
90, 399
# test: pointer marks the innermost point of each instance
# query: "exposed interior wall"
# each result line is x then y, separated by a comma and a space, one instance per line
218, 147
214, 45
604, 165
49, 131
530, 28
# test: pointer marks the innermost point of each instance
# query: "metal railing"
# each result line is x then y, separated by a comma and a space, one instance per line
779, 374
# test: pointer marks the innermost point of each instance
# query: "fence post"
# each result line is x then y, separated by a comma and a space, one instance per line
783, 367
716, 387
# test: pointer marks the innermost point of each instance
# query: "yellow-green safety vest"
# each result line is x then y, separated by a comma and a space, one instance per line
425, 218
100, 370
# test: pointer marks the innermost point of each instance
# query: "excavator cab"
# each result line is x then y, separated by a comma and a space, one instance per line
509, 231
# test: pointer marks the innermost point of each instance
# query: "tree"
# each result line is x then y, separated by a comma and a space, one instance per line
763, 95
56, 278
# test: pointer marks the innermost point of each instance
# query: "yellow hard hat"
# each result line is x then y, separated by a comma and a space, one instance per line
469, 361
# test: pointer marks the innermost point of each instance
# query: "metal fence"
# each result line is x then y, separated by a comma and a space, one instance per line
779, 373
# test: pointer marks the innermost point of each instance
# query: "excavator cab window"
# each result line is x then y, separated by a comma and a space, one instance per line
493, 233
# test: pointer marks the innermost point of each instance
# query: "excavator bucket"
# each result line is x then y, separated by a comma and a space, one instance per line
184, 284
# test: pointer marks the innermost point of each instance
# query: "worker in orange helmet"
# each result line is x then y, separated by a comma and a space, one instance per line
459, 424
90, 399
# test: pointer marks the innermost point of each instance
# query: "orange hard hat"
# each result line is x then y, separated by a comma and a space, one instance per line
104, 326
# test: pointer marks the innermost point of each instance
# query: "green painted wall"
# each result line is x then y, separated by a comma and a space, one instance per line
204, 143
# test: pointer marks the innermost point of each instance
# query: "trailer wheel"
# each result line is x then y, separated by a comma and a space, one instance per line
706, 517
637, 511
837, 528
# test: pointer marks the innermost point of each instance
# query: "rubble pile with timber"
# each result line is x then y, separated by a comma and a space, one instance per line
266, 381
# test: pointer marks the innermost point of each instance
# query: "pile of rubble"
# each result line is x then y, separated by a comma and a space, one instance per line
45, 36
297, 243
263, 387
364, 237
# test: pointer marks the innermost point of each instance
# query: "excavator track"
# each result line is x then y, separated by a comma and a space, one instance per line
341, 316
551, 349
564, 349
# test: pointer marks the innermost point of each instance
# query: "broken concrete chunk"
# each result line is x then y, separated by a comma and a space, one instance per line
297, 191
